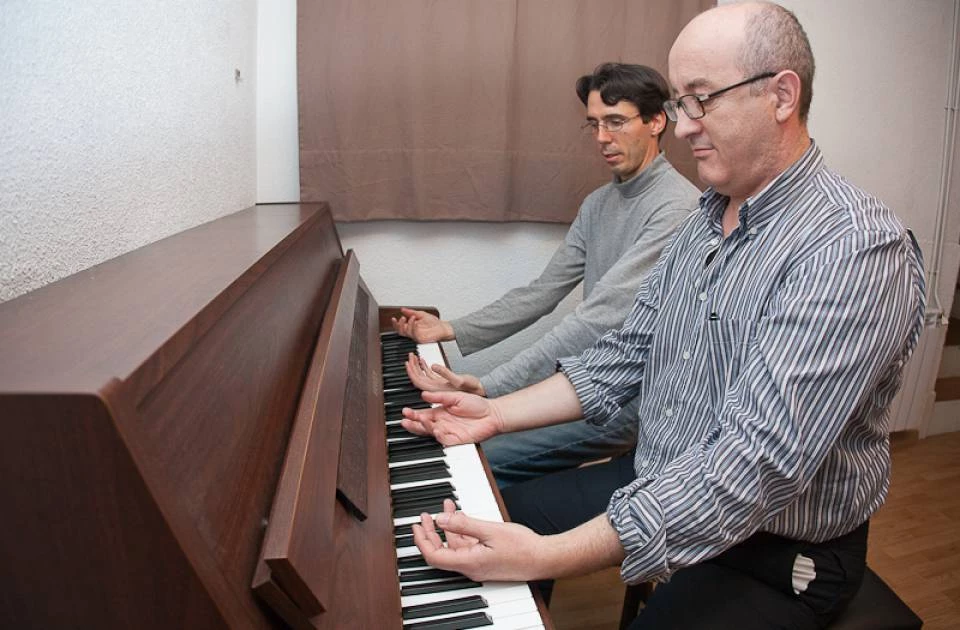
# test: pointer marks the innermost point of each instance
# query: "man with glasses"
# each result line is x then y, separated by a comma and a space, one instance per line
618, 234
765, 347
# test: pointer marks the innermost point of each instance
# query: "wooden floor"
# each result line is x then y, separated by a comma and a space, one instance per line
914, 544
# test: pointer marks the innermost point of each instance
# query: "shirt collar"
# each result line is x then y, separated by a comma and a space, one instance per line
759, 209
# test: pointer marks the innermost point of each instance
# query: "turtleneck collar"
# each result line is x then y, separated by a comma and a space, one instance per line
640, 182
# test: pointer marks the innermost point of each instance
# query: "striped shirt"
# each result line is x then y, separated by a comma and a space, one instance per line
765, 363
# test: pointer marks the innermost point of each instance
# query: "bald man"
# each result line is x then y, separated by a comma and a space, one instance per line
765, 348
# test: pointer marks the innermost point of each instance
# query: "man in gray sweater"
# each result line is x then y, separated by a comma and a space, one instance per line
613, 242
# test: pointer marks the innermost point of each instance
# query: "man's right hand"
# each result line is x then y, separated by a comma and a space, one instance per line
460, 419
439, 378
421, 326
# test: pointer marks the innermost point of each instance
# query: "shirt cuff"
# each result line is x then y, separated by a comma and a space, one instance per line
578, 376
638, 519
463, 334
490, 389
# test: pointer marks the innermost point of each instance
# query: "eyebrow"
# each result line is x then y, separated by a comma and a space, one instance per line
608, 117
697, 83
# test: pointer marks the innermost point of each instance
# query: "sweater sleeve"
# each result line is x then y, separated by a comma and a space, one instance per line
605, 308
520, 307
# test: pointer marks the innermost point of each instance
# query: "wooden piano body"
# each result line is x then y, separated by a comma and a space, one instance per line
147, 408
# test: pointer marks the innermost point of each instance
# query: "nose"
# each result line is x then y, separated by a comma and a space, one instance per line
603, 136
685, 126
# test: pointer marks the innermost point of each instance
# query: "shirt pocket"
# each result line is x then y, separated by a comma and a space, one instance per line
727, 346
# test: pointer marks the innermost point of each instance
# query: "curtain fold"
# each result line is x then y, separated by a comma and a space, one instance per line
463, 109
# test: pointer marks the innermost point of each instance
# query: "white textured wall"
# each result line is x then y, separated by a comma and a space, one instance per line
120, 123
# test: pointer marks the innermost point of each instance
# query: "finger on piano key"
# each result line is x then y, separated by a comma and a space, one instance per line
430, 353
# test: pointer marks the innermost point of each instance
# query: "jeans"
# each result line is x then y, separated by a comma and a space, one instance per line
526, 455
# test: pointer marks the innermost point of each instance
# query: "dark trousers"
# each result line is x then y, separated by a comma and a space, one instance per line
747, 586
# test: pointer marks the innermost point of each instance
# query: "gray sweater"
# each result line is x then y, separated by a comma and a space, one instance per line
613, 242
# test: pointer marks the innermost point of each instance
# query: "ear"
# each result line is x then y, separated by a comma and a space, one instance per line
657, 123
786, 87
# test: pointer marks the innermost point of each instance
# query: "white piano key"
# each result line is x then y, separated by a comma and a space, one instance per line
431, 353
494, 592
512, 615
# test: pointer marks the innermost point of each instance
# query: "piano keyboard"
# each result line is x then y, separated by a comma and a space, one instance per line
422, 474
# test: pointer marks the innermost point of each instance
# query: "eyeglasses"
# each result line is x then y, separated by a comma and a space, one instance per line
612, 125
692, 104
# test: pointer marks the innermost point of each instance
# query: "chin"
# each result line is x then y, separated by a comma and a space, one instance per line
710, 176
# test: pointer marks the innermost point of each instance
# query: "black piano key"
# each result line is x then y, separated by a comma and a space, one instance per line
411, 438
397, 430
397, 342
416, 506
442, 586
410, 456
460, 622
395, 412
400, 344
400, 388
433, 506
411, 562
400, 450
419, 472
425, 500
403, 530
421, 475
407, 540
402, 400
396, 355
411, 444
393, 349
433, 609
413, 456
422, 491
394, 372
408, 345
414, 441
428, 574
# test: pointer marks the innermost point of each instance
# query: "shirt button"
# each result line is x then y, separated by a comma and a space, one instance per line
715, 242
668, 412
685, 355
752, 231
644, 463
703, 296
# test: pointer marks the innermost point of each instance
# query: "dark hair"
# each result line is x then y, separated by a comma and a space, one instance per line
641, 85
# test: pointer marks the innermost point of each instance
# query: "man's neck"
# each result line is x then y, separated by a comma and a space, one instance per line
794, 150
647, 161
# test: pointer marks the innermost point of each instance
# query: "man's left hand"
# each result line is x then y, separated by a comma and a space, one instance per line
480, 550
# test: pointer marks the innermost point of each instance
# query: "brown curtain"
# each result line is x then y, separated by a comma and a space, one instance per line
464, 109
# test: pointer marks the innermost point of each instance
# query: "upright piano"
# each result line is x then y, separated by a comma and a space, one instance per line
196, 434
